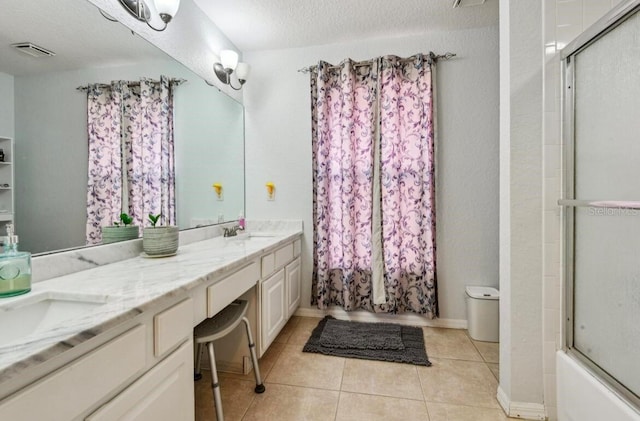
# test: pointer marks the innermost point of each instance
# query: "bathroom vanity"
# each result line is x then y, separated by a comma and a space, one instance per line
118, 339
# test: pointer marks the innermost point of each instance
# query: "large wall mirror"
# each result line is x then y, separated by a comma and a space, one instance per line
41, 109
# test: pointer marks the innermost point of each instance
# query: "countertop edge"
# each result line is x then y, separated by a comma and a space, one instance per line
32, 361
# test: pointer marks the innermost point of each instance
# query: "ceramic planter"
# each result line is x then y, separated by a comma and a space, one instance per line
160, 241
113, 233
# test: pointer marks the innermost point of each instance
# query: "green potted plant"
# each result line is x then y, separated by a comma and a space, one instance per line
157, 240
120, 230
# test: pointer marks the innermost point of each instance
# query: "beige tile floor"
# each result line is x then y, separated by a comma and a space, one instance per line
460, 385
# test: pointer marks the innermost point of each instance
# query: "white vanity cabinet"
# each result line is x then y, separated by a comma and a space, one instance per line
222, 293
146, 367
69, 392
141, 368
164, 393
292, 279
279, 292
273, 308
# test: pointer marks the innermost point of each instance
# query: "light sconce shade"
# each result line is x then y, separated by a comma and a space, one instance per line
167, 7
229, 59
242, 72
227, 64
146, 11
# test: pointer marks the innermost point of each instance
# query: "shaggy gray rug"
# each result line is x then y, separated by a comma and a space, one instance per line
369, 341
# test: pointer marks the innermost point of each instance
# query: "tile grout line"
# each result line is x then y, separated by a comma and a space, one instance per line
340, 390
424, 398
244, 414
264, 381
379, 395
486, 363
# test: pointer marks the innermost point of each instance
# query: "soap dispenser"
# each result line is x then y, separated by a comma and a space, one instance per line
15, 267
241, 221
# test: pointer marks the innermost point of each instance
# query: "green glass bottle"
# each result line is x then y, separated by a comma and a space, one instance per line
15, 267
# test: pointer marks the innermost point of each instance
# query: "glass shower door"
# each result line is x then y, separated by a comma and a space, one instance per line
603, 219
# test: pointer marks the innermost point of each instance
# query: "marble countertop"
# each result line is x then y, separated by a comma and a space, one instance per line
126, 289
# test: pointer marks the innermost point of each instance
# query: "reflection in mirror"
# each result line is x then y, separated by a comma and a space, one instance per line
46, 116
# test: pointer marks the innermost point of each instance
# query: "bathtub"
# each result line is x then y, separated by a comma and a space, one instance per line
582, 397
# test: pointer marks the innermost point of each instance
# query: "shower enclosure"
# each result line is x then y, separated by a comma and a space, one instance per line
601, 135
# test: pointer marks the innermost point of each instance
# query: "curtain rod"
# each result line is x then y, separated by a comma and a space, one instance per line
131, 84
435, 57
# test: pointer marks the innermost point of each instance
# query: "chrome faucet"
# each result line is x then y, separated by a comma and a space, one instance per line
231, 232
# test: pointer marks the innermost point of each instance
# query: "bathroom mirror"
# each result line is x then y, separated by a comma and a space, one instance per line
41, 109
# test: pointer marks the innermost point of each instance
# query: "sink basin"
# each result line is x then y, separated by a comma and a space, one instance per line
42, 311
261, 235
249, 236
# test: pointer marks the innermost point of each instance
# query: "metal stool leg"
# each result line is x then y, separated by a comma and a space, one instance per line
197, 375
254, 359
214, 383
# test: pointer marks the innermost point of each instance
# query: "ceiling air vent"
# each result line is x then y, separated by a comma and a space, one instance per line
33, 50
467, 3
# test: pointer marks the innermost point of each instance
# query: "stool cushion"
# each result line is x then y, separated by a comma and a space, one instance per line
222, 323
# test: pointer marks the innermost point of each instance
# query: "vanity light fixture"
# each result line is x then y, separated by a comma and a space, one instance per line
227, 64
148, 10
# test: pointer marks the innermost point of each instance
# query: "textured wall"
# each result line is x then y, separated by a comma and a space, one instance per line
278, 143
6, 105
521, 208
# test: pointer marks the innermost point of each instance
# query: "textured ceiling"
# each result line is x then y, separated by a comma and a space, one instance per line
73, 29
274, 24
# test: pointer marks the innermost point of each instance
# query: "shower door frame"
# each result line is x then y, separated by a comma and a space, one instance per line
569, 204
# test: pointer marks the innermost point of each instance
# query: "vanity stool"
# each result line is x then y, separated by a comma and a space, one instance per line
215, 328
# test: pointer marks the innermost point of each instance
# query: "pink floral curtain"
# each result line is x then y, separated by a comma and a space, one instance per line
130, 125
104, 188
373, 137
148, 151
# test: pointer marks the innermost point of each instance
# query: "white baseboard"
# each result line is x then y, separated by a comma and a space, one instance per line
409, 319
523, 410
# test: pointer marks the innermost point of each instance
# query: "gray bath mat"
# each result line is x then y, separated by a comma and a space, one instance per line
332, 337
355, 335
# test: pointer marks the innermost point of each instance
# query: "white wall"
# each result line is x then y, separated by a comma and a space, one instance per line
6, 105
521, 379
278, 148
